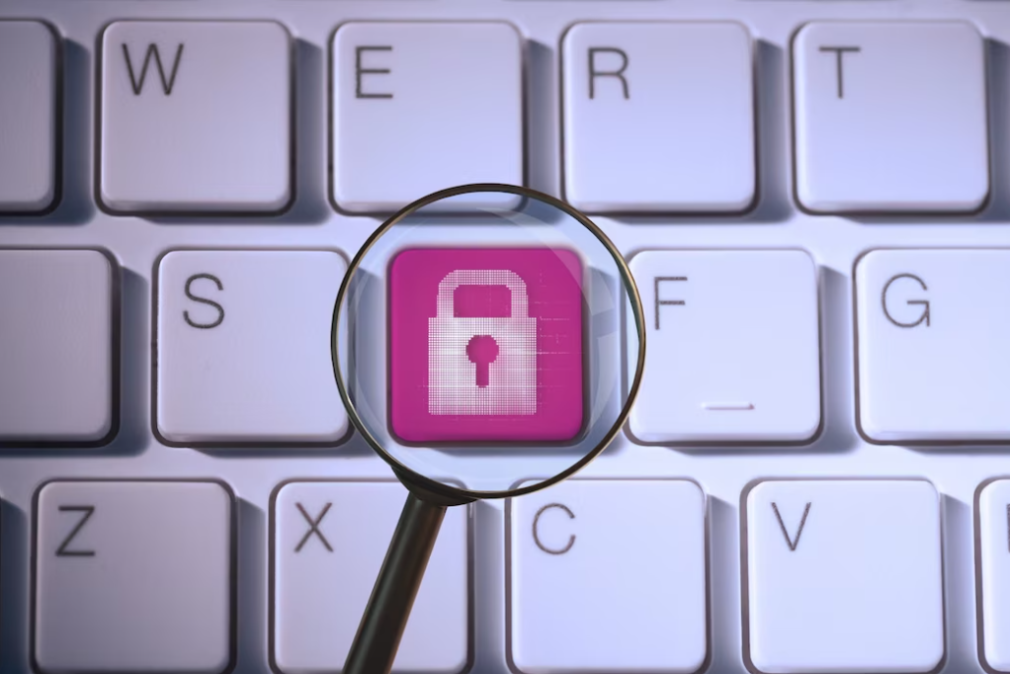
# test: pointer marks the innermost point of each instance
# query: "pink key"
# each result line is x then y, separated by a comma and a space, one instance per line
486, 344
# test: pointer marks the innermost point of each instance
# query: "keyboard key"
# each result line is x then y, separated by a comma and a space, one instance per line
932, 362
28, 56
844, 576
733, 347
196, 116
444, 304
609, 575
133, 577
890, 117
993, 512
238, 359
329, 542
56, 346
658, 117
419, 107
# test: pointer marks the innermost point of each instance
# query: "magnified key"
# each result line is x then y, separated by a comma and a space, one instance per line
509, 317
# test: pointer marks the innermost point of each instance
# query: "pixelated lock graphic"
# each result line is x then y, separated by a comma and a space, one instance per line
486, 344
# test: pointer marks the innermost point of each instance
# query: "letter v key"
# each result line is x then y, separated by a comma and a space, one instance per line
803, 520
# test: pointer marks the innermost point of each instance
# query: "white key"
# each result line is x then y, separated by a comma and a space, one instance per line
609, 575
330, 540
56, 351
733, 346
844, 576
658, 117
133, 577
890, 117
27, 116
195, 116
993, 512
244, 349
419, 107
933, 364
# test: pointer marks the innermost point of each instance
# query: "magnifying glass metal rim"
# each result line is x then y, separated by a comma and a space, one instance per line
441, 489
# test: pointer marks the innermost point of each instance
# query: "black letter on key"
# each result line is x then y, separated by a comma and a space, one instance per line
619, 73
204, 300
313, 527
62, 550
838, 63
359, 71
536, 538
925, 303
1008, 525
152, 50
803, 520
660, 302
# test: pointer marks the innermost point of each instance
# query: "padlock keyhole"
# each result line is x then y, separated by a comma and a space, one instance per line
482, 351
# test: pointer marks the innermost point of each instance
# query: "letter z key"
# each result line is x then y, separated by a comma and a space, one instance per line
133, 577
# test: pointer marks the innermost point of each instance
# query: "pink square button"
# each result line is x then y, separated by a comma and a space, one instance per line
485, 344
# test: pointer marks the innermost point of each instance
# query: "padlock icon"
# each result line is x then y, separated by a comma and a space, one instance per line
511, 385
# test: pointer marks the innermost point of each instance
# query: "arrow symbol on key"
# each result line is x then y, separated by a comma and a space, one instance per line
730, 407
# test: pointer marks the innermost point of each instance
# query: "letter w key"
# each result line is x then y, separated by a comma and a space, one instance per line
192, 81
152, 52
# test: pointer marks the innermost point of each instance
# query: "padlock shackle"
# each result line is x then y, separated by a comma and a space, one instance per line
482, 277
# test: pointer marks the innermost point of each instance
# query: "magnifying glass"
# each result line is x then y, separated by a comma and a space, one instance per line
488, 341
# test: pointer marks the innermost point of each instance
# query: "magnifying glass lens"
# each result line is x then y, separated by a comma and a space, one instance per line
479, 341
479, 347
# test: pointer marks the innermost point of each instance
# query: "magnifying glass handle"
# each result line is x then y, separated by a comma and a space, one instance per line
375, 644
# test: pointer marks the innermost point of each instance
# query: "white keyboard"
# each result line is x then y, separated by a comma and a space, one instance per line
813, 196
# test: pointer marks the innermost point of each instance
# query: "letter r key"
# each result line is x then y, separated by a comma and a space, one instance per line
669, 103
